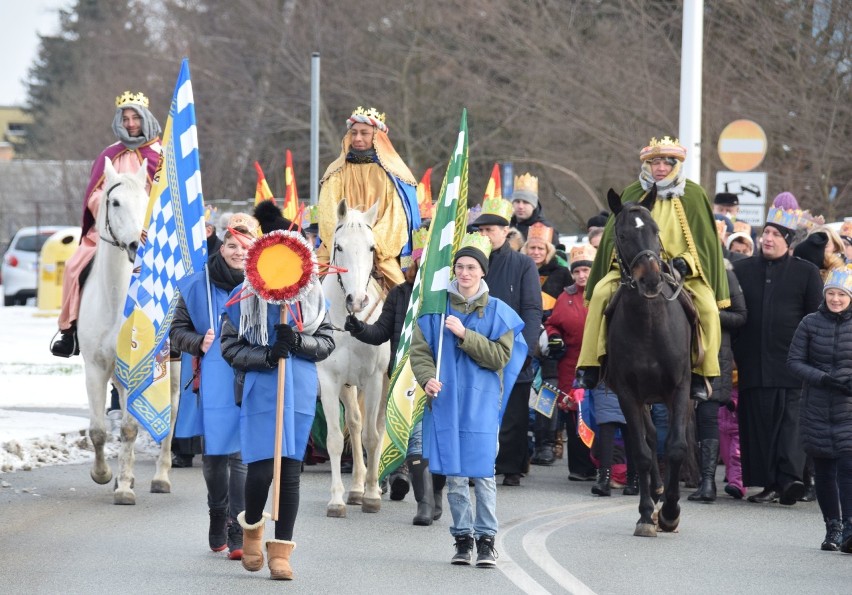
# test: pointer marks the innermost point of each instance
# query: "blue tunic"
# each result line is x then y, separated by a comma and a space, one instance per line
460, 431
257, 413
211, 413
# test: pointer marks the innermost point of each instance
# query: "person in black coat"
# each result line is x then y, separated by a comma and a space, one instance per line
512, 277
821, 357
526, 208
779, 291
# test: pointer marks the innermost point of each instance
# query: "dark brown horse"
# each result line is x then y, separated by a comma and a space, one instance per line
648, 357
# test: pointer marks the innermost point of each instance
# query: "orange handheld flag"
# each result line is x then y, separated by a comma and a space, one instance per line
291, 195
493, 189
262, 191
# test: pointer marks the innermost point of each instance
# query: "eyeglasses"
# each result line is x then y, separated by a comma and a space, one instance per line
659, 160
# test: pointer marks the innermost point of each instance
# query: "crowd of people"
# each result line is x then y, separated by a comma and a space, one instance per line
772, 393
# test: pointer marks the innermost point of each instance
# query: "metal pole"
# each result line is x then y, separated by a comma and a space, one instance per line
315, 110
690, 86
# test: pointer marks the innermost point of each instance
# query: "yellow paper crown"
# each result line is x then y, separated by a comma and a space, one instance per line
526, 183
665, 147
583, 253
244, 220
540, 231
370, 116
809, 221
128, 98
419, 237
478, 241
783, 217
840, 279
742, 226
497, 206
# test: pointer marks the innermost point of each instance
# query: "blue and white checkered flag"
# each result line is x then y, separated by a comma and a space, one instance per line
173, 246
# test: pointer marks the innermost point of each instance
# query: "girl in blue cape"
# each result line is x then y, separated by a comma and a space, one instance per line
253, 341
481, 355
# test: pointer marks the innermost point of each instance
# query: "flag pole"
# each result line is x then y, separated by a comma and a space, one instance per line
209, 296
440, 348
279, 429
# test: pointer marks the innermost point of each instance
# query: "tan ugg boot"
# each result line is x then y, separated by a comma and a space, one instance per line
252, 542
279, 559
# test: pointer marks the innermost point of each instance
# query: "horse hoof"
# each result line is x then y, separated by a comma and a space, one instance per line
103, 478
159, 486
645, 530
338, 511
124, 497
356, 498
668, 526
371, 505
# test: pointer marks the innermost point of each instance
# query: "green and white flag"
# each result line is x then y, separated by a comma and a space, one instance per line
406, 399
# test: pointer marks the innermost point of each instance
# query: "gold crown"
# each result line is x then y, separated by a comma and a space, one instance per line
526, 182
665, 147
478, 241
583, 253
497, 206
370, 113
128, 98
540, 231
840, 278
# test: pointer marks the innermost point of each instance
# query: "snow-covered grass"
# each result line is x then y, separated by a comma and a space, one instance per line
33, 385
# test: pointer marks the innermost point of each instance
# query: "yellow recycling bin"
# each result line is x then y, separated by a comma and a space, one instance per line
54, 253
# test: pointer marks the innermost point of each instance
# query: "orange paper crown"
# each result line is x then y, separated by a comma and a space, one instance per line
583, 253
540, 231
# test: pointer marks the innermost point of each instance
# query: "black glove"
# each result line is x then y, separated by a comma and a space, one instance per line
286, 335
555, 347
277, 351
353, 325
681, 266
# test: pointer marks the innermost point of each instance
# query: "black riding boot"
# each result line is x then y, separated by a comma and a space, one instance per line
588, 377
399, 483
544, 438
438, 483
601, 487
706, 491
66, 345
421, 480
698, 388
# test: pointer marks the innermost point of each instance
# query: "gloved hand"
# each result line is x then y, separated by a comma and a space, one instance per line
353, 325
841, 385
555, 347
277, 351
287, 336
681, 266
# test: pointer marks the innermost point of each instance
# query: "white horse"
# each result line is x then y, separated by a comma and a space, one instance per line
355, 373
120, 222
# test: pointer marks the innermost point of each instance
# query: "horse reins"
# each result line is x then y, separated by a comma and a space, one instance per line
379, 290
114, 241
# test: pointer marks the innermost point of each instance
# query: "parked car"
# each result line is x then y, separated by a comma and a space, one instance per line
20, 263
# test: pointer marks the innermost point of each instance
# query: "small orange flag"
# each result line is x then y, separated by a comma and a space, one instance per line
493, 189
291, 195
262, 191
424, 195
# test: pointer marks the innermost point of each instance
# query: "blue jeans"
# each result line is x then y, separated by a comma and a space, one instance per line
660, 417
458, 495
415, 441
225, 476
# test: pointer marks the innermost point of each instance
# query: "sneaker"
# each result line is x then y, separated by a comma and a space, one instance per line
464, 547
486, 555
235, 540
217, 535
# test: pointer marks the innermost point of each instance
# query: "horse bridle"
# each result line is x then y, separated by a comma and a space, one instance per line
334, 255
627, 274
114, 241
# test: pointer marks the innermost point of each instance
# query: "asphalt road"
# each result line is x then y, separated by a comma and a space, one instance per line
60, 533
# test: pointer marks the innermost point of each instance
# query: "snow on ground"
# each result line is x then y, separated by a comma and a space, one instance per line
43, 402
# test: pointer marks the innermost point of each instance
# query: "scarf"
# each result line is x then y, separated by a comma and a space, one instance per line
669, 187
223, 276
150, 127
361, 157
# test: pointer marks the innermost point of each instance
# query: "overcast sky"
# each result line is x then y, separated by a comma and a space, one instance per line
22, 21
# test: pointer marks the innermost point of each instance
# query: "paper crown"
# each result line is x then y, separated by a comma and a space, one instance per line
784, 218
742, 227
310, 216
478, 241
418, 238
245, 220
540, 231
473, 214
809, 221
499, 207
210, 212
846, 229
583, 253
840, 279
370, 116
665, 147
526, 183
128, 98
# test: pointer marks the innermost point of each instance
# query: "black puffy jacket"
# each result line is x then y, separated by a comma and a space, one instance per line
731, 318
388, 325
823, 345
